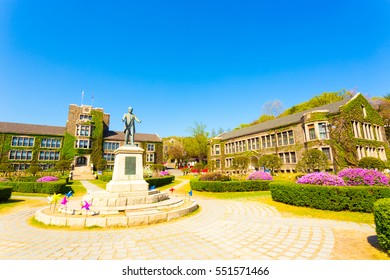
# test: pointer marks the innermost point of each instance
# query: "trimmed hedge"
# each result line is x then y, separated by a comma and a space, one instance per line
38, 187
334, 198
160, 181
105, 178
154, 181
5, 193
382, 223
230, 186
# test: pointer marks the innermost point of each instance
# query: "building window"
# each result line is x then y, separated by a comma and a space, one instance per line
216, 150
83, 130
20, 155
273, 140
22, 141
293, 157
109, 156
150, 158
280, 140
151, 147
85, 118
364, 111
322, 131
287, 157
268, 140
21, 166
228, 162
83, 144
291, 137
49, 155
50, 143
312, 132
285, 138
326, 151
217, 163
111, 146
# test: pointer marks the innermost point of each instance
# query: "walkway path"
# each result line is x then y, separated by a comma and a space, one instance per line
222, 230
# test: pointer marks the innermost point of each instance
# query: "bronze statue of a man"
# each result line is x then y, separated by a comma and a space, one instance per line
129, 126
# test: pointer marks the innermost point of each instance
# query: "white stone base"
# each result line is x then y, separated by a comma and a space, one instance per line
123, 181
127, 186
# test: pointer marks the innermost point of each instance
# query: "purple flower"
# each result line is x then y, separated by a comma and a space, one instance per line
363, 177
260, 175
321, 178
47, 179
164, 173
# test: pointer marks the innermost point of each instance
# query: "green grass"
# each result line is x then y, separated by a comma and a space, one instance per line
99, 183
290, 210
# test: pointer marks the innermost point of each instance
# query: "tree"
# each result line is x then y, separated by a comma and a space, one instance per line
63, 165
372, 163
313, 160
198, 146
241, 162
273, 108
6, 168
271, 162
34, 169
177, 152
101, 164
382, 106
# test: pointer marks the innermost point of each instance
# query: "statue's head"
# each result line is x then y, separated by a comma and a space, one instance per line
130, 109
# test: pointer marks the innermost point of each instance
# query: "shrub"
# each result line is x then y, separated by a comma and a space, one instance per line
161, 181
372, 163
214, 176
312, 160
260, 175
321, 178
334, 198
5, 193
105, 177
365, 177
38, 187
47, 179
230, 186
382, 223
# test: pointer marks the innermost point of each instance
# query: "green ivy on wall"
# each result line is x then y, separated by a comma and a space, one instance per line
68, 150
97, 137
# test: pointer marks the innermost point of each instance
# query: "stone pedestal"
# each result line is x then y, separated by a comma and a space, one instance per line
128, 171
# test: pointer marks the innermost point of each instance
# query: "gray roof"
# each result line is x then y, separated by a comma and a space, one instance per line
31, 129
138, 137
283, 121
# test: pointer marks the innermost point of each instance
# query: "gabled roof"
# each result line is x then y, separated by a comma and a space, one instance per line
283, 121
31, 129
138, 137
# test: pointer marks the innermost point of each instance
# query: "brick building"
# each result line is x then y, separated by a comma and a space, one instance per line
345, 131
84, 140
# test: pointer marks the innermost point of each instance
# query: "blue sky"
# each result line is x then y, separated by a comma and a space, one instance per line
181, 62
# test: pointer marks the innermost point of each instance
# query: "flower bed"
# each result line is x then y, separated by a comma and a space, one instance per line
363, 177
47, 179
321, 178
260, 175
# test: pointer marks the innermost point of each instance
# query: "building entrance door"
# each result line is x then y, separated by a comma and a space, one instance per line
81, 161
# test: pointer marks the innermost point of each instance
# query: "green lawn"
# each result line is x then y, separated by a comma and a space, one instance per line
261, 197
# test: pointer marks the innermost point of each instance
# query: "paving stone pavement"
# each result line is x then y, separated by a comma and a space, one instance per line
221, 230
